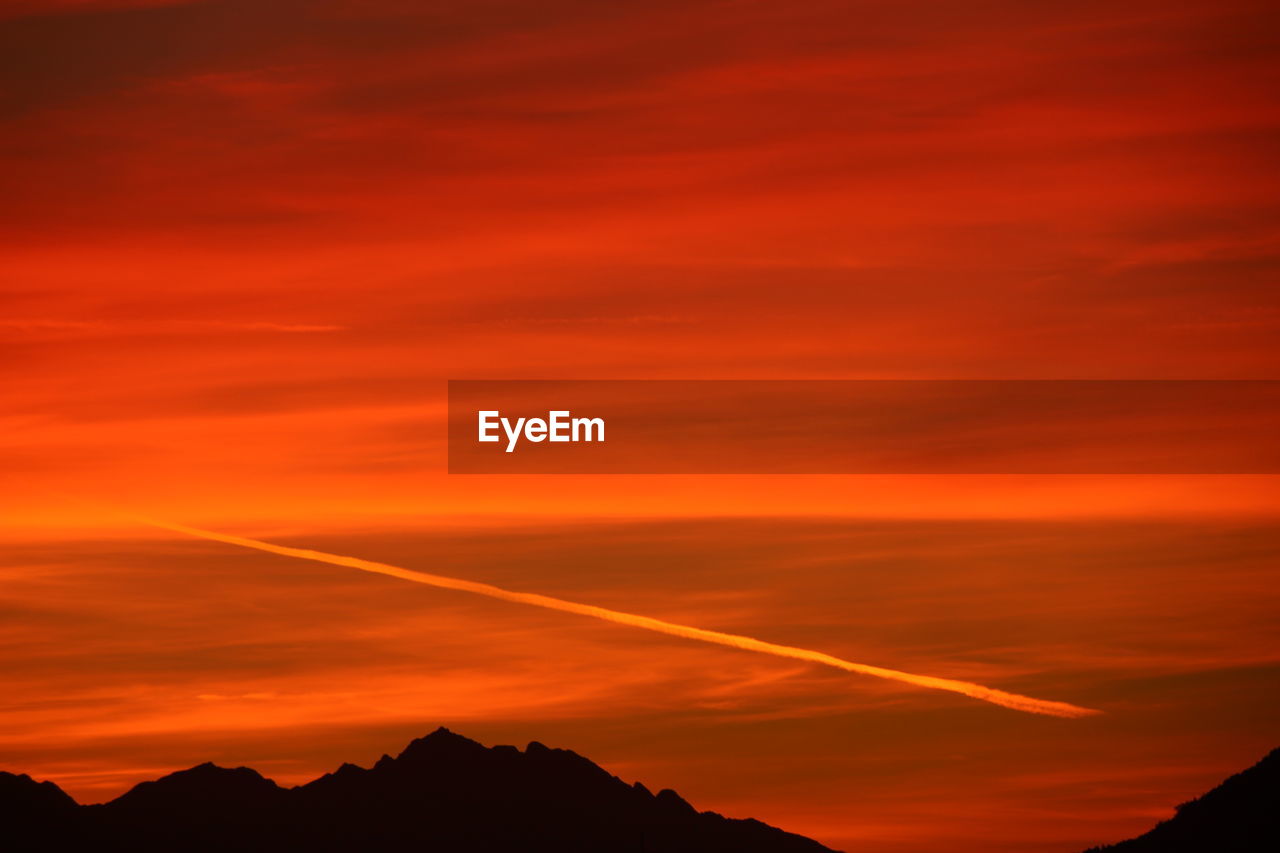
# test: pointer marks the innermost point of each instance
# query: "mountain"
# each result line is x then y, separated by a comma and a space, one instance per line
443, 793
22, 796
1242, 815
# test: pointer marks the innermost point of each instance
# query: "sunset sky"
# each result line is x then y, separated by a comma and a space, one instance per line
247, 243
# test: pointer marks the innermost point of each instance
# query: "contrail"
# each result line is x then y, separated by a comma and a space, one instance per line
737, 641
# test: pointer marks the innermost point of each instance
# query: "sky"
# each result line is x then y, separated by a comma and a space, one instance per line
247, 244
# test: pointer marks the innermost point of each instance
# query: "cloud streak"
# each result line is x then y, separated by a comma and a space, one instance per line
1014, 701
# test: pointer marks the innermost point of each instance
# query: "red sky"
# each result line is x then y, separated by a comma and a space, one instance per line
246, 244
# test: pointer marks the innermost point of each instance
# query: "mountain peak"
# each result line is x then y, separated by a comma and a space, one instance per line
28, 807
21, 792
441, 744
205, 783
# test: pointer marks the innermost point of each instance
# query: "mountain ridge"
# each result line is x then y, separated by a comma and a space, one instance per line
446, 792
1241, 815
442, 792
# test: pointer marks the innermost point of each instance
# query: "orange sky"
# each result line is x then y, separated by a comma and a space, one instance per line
248, 242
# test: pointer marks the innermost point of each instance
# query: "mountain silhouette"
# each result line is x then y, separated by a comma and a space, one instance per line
443, 793
1242, 815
